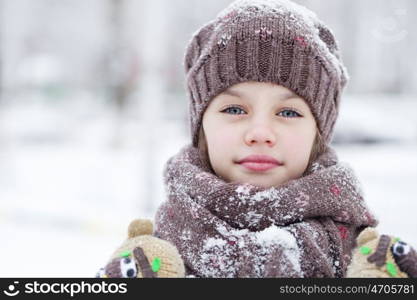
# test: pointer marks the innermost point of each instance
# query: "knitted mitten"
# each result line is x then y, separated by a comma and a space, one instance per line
143, 255
382, 256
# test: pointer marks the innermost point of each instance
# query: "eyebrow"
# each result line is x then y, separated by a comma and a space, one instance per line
230, 92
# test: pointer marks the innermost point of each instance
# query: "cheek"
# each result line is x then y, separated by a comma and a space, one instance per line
298, 147
220, 144
222, 137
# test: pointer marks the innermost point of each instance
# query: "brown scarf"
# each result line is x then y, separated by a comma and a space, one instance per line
304, 228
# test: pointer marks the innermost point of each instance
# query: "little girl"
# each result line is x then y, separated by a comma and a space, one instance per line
259, 192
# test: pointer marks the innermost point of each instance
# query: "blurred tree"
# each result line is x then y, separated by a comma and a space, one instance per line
120, 66
1, 50
152, 92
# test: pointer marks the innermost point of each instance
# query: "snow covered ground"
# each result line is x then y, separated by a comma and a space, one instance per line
68, 190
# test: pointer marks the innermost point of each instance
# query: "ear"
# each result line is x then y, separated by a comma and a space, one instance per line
367, 235
140, 227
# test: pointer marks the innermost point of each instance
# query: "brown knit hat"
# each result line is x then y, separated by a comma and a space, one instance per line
273, 41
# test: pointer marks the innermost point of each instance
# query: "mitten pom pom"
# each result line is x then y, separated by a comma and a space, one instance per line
140, 227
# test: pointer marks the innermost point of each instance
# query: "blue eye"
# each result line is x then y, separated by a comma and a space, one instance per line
234, 110
287, 113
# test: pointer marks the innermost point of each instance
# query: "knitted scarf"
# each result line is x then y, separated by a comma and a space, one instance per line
304, 228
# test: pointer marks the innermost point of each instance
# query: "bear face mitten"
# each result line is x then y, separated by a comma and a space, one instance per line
379, 256
143, 256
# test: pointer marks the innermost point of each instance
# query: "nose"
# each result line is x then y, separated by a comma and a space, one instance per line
260, 134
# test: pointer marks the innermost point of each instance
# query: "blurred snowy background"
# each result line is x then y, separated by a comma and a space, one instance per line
92, 104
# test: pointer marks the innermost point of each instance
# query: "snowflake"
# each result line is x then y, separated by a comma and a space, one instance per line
264, 33
224, 39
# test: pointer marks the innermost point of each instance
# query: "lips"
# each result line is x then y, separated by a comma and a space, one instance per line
259, 163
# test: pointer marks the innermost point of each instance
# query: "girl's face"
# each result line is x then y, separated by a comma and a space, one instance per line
256, 118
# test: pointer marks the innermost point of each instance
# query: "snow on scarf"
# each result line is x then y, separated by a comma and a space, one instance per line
304, 228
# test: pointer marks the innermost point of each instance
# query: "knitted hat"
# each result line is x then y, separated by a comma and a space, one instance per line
273, 41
